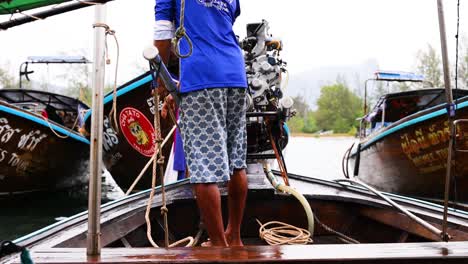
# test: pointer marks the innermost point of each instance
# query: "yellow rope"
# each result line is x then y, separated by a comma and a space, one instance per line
164, 210
180, 33
143, 171
58, 135
283, 234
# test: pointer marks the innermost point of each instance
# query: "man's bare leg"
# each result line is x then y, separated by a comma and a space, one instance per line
237, 188
209, 203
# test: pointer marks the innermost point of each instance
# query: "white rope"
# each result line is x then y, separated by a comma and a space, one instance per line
113, 111
53, 130
143, 171
284, 234
28, 15
160, 161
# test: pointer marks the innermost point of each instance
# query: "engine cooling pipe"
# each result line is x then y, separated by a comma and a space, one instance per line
287, 189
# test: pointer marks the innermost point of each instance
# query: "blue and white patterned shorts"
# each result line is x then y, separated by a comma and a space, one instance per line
214, 133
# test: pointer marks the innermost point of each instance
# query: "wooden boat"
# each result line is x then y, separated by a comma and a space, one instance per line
343, 213
127, 148
40, 153
403, 146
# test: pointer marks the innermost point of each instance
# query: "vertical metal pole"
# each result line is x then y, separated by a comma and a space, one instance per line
448, 93
365, 97
94, 199
443, 43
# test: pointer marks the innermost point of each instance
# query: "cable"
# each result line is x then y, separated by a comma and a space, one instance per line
454, 179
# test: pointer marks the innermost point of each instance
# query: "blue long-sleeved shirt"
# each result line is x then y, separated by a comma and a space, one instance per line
217, 60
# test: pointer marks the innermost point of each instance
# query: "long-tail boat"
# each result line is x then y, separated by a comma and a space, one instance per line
39, 148
403, 144
350, 225
128, 138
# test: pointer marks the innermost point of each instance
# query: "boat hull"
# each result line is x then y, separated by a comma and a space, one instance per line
410, 157
127, 149
354, 212
34, 158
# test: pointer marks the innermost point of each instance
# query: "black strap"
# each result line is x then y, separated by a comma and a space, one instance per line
8, 247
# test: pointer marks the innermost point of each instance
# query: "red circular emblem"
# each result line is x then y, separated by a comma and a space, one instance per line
138, 131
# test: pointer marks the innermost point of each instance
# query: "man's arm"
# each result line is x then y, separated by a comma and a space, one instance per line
164, 47
164, 11
164, 17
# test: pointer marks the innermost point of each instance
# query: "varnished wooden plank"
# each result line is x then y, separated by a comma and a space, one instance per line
440, 252
403, 222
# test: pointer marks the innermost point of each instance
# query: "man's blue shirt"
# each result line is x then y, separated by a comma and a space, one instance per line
217, 60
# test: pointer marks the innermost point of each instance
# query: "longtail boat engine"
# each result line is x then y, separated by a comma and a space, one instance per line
268, 107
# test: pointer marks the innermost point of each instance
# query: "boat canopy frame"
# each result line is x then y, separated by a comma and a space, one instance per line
11, 7
24, 96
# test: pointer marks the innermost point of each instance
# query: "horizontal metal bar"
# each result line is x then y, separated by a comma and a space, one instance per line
262, 114
48, 13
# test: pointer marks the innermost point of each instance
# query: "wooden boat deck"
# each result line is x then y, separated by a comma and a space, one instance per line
453, 252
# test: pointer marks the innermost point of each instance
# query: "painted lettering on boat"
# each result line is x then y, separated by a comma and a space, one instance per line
138, 131
426, 147
29, 141
6, 131
110, 138
150, 102
115, 158
3, 154
23, 143
19, 162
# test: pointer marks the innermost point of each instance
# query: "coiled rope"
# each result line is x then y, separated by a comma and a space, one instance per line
283, 234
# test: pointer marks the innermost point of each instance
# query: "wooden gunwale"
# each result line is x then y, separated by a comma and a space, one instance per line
39, 120
441, 252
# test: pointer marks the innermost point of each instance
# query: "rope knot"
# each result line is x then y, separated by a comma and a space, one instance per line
164, 210
161, 160
180, 33
103, 25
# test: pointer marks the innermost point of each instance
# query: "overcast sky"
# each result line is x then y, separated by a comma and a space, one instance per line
315, 33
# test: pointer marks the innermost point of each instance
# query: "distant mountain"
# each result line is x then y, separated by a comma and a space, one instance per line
307, 84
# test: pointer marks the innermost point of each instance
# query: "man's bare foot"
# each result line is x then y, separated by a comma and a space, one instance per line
233, 241
208, 244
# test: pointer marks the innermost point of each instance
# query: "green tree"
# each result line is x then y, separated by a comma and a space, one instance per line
301, 106
428, 63
78, 83
463, 65
338, 108
296, 124
310, 124
7, 81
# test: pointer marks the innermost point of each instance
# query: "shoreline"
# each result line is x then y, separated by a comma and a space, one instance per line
309, 135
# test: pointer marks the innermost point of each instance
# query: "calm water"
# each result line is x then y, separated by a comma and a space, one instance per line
315, 157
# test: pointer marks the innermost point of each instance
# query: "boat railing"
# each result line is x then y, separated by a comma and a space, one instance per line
34, 107
366, 128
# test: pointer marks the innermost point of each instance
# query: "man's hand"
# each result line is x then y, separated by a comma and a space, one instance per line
169, 105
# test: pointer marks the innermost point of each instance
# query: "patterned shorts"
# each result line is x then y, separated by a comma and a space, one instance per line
214, 133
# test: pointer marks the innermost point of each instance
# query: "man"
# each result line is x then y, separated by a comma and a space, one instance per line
213, 84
